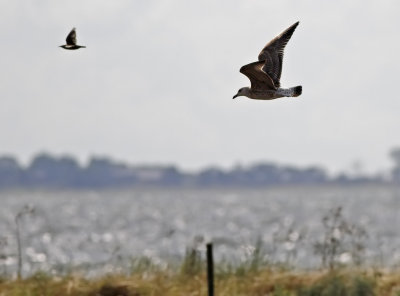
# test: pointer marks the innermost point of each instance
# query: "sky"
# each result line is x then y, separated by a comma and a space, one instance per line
156, 81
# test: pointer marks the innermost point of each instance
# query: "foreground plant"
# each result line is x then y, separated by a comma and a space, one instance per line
264, 282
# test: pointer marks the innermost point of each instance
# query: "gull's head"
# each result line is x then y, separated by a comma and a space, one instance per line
244, 91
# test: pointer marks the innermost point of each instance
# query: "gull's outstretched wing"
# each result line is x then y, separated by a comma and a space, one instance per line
71, 38
258, 78
272, 54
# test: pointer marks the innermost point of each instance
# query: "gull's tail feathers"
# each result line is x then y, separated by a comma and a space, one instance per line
296, 91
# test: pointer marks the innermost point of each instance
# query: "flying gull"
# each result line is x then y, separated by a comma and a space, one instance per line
71, 41
265, 74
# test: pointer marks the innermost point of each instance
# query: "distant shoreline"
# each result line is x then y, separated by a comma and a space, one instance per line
64, 172
277, 187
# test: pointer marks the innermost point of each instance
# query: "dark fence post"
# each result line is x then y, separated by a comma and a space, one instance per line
210, 270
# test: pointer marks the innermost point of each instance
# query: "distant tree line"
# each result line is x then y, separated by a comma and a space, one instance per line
48, 171
395, 156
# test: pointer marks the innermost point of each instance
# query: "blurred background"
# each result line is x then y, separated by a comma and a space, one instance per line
156, 81
134, 147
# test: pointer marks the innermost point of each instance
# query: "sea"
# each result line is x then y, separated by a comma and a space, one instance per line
96, 232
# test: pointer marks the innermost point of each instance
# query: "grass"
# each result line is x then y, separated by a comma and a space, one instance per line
261, 282
254, 276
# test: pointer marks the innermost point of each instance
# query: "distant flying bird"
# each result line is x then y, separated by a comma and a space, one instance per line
265, 74
71, 41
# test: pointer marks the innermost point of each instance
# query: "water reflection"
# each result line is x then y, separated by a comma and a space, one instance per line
102, 229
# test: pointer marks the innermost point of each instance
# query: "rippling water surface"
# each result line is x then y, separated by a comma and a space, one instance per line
103, 230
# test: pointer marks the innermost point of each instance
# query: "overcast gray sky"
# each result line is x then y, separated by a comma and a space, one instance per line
156, 81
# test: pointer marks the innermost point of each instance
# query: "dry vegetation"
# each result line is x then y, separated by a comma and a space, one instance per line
260, 283
255, 276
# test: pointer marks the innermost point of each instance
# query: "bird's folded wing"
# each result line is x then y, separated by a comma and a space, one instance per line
272, 54
258, 78
71, 38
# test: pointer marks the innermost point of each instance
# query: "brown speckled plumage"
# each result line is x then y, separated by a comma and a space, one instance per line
265, 74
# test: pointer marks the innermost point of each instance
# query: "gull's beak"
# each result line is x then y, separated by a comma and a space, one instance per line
235, 96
